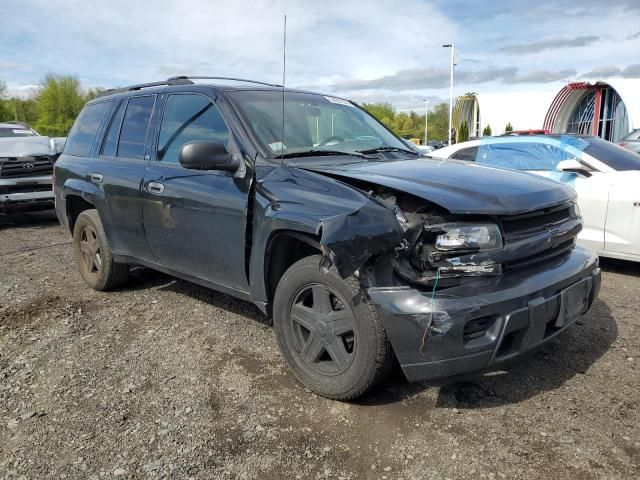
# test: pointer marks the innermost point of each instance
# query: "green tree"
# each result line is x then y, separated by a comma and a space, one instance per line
59, 101
439, 122
487, 131
5, 111
23, 110
463, 133
411, 125
508, 128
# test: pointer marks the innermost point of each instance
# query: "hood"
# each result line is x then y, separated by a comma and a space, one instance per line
30, 146
460, 187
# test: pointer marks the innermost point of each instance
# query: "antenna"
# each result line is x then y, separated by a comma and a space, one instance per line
284, 71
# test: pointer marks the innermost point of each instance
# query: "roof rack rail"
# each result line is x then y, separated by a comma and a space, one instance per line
180, 80
170, 81
232, 79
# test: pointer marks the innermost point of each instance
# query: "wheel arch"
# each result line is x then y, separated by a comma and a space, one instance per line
75, 205
284, 248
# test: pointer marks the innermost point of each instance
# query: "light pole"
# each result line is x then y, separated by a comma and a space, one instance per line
453, 50
426, 121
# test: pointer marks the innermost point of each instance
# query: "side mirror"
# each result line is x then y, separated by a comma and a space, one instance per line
207, 156
574, 166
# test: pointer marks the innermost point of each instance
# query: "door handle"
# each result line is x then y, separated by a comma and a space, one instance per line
155, 188
96, 177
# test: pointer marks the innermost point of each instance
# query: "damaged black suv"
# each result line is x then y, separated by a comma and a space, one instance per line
362, 251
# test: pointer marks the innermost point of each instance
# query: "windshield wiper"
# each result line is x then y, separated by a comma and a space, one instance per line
388, 149
320, 153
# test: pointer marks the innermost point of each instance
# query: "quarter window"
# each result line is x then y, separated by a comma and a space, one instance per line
110, 145
468, 154
133, 134
189, 118
85, 128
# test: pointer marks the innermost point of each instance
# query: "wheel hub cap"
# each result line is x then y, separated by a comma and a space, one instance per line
324, 329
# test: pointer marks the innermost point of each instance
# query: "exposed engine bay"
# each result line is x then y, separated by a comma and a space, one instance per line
447, 250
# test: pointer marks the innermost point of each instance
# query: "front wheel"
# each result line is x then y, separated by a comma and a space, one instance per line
329, 334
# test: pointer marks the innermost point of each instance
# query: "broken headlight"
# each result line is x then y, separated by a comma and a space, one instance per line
472, 236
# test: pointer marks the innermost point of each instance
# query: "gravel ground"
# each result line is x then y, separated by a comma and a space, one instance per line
167, 379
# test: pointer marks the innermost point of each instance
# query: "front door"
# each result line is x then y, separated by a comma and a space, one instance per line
623, 218
195, 220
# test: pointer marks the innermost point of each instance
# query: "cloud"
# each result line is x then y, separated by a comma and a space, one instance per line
602, 72
631, 71
542, 76
634, 36
119, 42
417, 79
549, 44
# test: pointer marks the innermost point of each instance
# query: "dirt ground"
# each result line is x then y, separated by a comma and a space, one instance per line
166, 379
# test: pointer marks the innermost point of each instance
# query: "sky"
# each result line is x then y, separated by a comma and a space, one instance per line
373, 51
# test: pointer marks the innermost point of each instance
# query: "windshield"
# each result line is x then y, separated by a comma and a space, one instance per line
312, 123
17, 131
634, 135
616, 157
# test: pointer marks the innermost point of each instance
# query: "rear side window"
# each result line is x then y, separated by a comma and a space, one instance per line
467, 154
110, 145
189, 118
133, 134
615, 156
84, 129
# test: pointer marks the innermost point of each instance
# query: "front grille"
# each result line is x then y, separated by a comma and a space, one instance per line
541, 257
14, 167
9, 189
551, 232
533, 222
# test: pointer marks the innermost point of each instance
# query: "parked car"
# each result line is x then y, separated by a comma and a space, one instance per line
421, 149
632, 141
26, 164
359, 249
605, 176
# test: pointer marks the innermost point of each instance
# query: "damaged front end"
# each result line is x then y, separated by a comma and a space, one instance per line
463, 292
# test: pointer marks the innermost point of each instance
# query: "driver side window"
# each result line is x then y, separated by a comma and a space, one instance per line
189, 118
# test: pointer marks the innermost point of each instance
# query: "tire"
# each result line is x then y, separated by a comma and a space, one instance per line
93, 254
318, 318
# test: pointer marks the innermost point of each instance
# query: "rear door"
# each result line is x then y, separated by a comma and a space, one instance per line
118, 173
195, 220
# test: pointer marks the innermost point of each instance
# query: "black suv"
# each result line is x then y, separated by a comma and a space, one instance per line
362, 251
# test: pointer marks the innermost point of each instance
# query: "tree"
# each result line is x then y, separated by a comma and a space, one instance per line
59, 100
23, 110
508, 128
411, 125
439, 122
463, 133
487, 131
5, 112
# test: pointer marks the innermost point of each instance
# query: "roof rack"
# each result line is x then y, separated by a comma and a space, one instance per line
232, 79
170, 81
180, 80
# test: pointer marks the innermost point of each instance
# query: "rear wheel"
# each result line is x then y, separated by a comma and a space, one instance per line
93, 253
330, 336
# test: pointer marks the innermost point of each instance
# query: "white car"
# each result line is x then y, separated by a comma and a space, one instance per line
605, 176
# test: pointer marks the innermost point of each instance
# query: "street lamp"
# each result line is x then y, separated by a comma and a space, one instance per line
453, 50
426, 120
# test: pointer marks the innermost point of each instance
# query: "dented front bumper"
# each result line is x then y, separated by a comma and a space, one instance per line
488, 321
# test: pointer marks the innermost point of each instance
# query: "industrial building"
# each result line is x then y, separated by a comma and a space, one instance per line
607, 108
